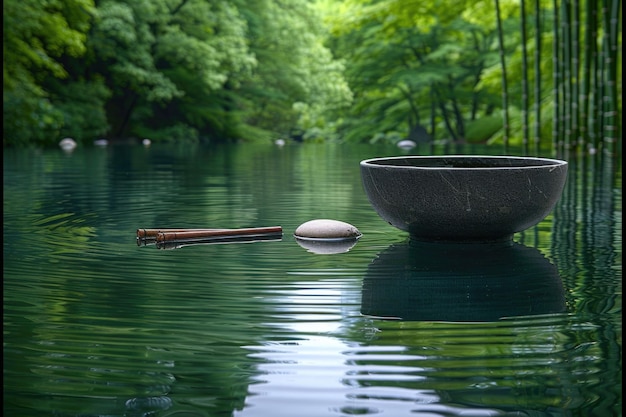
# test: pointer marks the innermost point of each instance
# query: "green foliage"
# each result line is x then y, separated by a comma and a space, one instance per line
297, 82
122, 43
192, 70
411, 62
324, 70
83, 108
28, 117
176, 133
482, 129
37, 32
36, 35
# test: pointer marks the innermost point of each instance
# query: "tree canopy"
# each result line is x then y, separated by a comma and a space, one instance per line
351, 70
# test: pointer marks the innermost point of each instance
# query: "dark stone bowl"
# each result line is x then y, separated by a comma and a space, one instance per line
459, 198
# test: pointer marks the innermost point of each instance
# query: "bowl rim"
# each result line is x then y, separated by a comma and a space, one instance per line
547, 162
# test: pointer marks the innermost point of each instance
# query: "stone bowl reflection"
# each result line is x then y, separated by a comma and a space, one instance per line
461, 283
462, 197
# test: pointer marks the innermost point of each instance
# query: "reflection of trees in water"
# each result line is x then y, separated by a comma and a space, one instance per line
586, 230
585, 244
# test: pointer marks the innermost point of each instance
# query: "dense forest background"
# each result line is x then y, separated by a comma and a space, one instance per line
534, 72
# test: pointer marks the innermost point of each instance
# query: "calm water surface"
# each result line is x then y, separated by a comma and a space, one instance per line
95, 325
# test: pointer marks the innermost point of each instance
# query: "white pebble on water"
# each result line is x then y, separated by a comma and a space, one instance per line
327, 229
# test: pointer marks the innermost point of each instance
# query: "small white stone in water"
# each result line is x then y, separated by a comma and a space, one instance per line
67, 144
406, 144
327, 229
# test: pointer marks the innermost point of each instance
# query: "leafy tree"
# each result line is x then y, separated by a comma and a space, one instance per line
36, 35
189, 70
124, 44
297, 82
412, 64
204, 51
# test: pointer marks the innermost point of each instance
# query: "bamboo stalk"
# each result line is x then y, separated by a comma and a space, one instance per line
191, 234
595, 96
566, 74
615, 37
589, 49
609, 14
525, 98
505, 100
556, 81
537, 64
575, 37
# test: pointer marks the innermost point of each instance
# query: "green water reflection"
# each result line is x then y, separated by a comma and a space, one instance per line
95, 325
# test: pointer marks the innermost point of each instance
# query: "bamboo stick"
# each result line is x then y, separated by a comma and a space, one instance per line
177, 244
152, 233
190, 234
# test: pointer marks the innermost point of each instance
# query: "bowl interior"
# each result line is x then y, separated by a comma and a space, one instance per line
463, 162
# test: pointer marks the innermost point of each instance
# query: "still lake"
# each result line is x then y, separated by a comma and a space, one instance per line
96, 325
